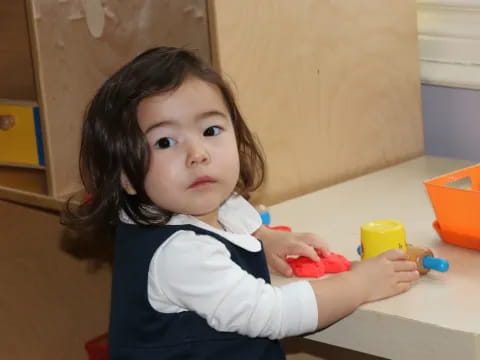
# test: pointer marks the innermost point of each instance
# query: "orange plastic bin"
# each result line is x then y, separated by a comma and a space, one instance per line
456, 207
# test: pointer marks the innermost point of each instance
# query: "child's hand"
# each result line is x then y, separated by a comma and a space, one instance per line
279, 244
385, 275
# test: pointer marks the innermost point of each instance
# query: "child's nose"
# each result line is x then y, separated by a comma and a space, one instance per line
197, 154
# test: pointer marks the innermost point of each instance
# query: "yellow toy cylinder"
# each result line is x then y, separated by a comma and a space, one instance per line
382, 235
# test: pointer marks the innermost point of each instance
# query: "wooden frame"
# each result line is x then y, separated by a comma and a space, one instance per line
331, 89
74, 48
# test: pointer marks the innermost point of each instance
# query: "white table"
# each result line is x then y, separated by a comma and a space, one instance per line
439, 318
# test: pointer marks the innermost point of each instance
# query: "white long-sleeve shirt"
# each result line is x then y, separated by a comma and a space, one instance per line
195, 272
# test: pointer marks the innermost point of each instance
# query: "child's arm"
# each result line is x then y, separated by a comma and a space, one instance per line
279, 244
384, 276
239, 216
373, 279
195, 272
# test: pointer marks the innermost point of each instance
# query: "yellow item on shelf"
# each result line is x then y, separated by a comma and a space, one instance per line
20, 135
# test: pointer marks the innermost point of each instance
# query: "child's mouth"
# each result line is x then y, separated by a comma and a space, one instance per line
201, 182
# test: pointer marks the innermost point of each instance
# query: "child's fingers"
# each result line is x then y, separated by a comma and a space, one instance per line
302, 249
407, 276
395, 254
403, 286
322, 250
404, 265
281, 266
316, 242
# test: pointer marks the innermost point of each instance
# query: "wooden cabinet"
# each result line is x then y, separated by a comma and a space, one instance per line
57, 53
331, 88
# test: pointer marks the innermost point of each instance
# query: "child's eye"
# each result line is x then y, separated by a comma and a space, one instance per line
165, 143
212, 131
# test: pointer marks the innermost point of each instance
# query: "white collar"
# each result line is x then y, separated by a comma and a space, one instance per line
243, 240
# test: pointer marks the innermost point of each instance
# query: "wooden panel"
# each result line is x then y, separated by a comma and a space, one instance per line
331, 88
27, 186
51, 302
26, 179
30, 198
78, 44
16, 68
298, 348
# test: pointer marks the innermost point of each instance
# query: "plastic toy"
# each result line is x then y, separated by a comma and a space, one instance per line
382, 235
455, 199
306, 267
425, 260
303, 266
264, 214
455, 238
266, 219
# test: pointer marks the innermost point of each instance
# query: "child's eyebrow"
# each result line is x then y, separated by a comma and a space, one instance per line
158, 124
198, 117
210, 113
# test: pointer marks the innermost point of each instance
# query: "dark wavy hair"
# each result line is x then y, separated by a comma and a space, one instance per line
112, 141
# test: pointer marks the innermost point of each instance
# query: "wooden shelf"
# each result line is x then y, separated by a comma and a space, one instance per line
16, 64
30, 180
42, 61
26, 186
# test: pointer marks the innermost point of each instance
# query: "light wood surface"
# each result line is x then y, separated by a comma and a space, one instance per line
51, 303
30, 198
16, 67
331, 88
26, 179
28, 185
78, 44
438, 318
298, 348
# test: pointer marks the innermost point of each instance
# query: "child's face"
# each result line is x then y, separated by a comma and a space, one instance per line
194, 164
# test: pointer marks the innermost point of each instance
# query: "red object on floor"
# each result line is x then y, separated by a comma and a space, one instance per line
306, 267
97, 348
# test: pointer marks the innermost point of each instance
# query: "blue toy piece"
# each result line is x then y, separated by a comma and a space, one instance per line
265, 215
434, 263
428, 262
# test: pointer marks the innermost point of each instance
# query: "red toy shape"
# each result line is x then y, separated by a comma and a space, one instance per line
336, 263
306, 267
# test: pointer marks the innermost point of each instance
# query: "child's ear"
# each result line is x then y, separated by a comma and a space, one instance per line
126, 185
